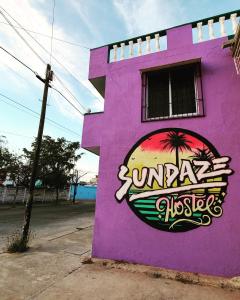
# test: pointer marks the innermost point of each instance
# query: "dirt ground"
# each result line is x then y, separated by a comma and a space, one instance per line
55, 268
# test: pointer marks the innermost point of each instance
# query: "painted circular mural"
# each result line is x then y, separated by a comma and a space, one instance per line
174, 180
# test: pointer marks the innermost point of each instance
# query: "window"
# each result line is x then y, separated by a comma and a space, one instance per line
172, 92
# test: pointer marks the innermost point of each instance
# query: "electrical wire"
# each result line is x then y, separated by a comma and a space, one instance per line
18, 74
17, 107
43, 48
35, 73
22, 38
53, 12
55, 76
13, 56
47, 119
17, 134
48, 36
67, 100
33, 112
54, 122
64, 86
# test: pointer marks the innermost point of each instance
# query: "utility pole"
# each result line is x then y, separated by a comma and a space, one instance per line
29, 203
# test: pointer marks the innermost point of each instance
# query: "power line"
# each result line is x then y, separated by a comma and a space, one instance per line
13, 56
36, 74
29, 112
61, 82
54, 123
56, 76
17, 134
48, 36
67, 100
41, 46
53, 12
34, 112
18, 74
22, 38
18, 108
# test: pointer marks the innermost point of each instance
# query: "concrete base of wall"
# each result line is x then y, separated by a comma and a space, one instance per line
154, 272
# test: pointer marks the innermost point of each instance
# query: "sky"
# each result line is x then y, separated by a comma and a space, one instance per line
78, 26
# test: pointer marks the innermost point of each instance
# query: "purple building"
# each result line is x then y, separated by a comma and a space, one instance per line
169, 148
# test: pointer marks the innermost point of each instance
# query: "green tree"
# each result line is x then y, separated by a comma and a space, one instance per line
57, 158
19, 172
5, 158
176, 141
203, 154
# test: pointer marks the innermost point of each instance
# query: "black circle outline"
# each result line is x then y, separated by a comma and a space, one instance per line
212, 148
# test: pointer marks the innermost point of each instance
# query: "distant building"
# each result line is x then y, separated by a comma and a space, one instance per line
168, 141
94, 180
83, 192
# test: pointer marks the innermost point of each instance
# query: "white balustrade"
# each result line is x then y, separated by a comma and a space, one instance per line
122, 51
115, 52
148, 45
157, 43
139, 42
127, 49
233, 18
119, 50
221, 22
222, 27
200, 32
131, 53
210, 29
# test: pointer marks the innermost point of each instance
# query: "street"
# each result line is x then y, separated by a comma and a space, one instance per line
59, 266
47, 219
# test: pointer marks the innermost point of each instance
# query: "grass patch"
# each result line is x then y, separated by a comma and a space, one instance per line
15, 244
87, 261
154, 274
183, 279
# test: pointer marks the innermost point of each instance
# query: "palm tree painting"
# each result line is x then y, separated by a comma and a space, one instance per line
176, 141
155, 203
203, 154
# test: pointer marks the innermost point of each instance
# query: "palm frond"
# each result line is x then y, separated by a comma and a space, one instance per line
176, 140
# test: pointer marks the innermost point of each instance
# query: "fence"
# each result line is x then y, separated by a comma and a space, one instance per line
7, 195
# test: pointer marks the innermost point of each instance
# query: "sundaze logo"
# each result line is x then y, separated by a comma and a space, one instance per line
174, 180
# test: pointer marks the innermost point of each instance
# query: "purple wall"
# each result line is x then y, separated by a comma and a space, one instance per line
118, 233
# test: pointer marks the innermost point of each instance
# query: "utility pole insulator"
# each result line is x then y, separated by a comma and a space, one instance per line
50, 75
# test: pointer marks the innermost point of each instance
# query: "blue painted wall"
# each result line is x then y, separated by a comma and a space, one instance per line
84, 192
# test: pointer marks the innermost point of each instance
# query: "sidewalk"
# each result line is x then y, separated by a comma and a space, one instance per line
56, 268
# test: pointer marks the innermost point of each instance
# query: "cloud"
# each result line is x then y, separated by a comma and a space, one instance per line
148, 16
88, 163
72, 59
138, 16
90, 15
91, 88
65, 108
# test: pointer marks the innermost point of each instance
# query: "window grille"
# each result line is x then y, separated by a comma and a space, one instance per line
172, 93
